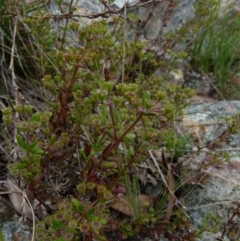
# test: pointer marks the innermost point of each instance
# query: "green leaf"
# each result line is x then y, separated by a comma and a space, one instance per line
57, 224
90, 211
1, 7
76, 86
150, 113
58, 1
35, 118
52, 139
34, 149
130, 151
37, 151
60, 239
22, 143
52, 104
91, 217
108, 165
96, 231
83, 155
21, 166
101, 238
130, 137
33, 145
77, 205
75, 118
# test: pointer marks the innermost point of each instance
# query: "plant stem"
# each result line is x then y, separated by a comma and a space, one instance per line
119, 139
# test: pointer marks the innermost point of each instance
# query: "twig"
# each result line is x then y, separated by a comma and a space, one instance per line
102, 14
124, 38
35, 43
115, 143
66, 24
15, 89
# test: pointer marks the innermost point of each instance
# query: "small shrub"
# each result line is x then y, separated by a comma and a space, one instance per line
97, 126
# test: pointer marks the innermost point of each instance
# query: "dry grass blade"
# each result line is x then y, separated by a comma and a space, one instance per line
168, 184
15, 88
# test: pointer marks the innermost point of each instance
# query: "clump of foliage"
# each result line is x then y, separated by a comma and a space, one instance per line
103, 115
215, 47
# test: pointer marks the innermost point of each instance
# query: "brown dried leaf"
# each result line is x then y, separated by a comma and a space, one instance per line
151, 165
170, 183
123, 205
152, 180
146, 199
17, 199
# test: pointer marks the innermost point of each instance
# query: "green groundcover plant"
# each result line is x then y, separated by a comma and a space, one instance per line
215, 47
102, 115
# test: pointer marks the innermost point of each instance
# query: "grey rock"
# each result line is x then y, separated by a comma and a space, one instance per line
209, 121
10, 225
229, 5
93, 6
121, 3
183, 12
153, 17
218, 192
199, 82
